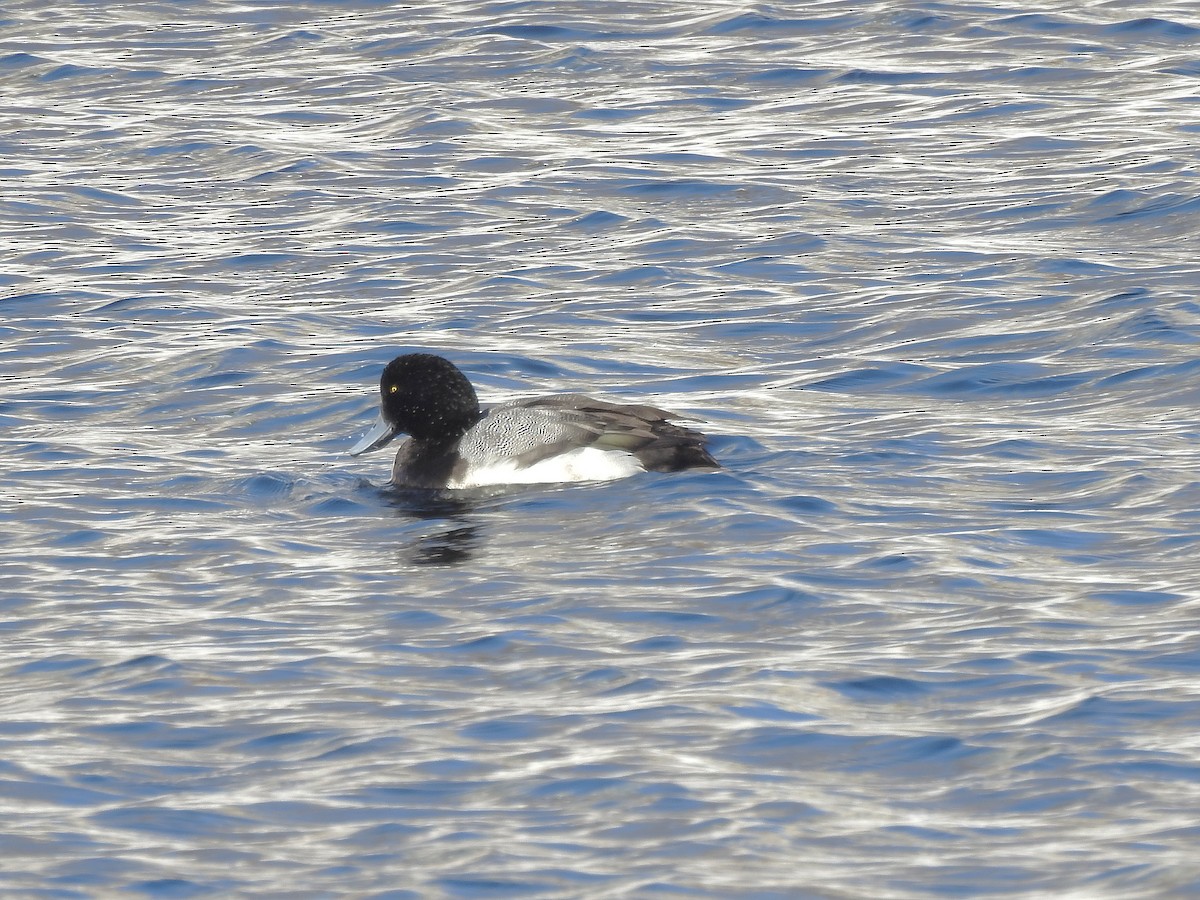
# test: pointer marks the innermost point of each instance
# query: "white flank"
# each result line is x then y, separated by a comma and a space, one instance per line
584, 464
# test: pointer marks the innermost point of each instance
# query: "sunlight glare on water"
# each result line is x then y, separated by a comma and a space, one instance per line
926, 275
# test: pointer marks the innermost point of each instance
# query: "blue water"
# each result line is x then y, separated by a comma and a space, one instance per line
929, 274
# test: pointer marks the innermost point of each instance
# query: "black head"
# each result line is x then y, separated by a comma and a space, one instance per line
428, 397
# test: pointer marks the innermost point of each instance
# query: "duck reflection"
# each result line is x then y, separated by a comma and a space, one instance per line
449, 546
446, 548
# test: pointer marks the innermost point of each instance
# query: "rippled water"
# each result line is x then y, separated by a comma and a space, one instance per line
929, 273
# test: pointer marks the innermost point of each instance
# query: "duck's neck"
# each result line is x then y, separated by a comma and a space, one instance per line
425, 463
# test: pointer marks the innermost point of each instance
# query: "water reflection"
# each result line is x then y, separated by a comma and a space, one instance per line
446, 546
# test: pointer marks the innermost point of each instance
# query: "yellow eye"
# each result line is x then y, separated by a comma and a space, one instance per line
393, 388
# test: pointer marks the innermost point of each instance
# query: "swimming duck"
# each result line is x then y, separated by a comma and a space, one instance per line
453, 443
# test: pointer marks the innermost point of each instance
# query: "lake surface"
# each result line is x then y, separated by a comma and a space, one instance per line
928, 273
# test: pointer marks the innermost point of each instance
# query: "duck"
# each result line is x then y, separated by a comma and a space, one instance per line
454, 443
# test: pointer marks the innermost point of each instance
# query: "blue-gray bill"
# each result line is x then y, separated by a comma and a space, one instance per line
381, 432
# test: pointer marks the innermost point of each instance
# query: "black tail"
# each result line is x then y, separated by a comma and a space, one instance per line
676, 448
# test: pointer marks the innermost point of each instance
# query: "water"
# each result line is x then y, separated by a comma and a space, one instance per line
928, 273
